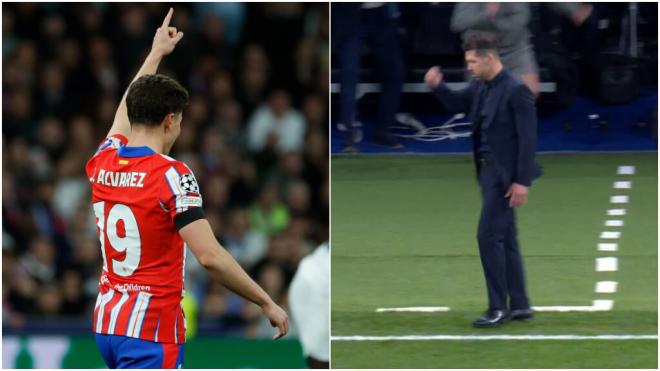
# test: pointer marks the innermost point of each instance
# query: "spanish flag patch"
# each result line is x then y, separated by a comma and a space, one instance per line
123, 162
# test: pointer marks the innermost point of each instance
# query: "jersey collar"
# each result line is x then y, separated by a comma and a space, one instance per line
126, 151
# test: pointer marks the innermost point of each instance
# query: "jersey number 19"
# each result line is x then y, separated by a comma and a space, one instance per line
128, 243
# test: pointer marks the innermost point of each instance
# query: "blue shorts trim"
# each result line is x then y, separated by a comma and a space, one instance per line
127, 352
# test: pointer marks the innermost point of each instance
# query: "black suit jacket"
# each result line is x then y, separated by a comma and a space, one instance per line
509, 121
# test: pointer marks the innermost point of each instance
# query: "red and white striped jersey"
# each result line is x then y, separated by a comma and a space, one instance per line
141, 199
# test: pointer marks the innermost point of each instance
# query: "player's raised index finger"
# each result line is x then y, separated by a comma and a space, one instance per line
168, 17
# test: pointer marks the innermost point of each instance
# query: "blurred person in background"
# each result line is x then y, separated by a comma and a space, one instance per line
309, 301
277, 126
376, 25
509, 22
243, 243
269, 215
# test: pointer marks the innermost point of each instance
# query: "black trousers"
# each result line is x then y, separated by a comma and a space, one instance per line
498, 244
351, 29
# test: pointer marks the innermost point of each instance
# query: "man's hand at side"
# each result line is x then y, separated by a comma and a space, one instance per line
517, 195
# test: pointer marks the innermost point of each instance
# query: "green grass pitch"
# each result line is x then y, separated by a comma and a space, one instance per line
404, 234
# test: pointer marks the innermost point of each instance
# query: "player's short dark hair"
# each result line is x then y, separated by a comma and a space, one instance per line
481, 42
152, 97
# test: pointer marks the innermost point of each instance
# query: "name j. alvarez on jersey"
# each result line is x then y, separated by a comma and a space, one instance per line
120, 178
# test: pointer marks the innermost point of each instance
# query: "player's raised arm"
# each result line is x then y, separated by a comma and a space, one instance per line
164, 43
215, 259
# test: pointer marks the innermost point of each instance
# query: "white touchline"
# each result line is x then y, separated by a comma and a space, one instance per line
608, 264
616, 212
605, 264
609, 235
606, 287
611, 264
414, 309
608, 247
603, 304
619, 199
493, 337
565, 308
626, 170
626, 184
614, 223
597, 306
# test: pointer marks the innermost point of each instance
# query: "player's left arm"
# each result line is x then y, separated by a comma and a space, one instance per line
222, 266
524, 111
181, 197
164, 42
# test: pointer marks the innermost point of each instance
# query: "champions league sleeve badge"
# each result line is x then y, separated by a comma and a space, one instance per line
189, 184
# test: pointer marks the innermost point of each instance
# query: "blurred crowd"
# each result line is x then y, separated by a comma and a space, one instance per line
254, 133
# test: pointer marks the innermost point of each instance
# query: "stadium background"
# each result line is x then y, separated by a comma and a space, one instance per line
246, 66
404, 220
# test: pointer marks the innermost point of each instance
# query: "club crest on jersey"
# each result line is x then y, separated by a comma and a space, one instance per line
189, 184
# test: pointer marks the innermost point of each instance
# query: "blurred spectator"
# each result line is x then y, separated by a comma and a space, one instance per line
73, 298
231, 14
49, 301
297, 198
244, 244
268, 215
52, 91
254, 77
65, 66
216, 301
375, 25
39, 261
276, 125
509, 22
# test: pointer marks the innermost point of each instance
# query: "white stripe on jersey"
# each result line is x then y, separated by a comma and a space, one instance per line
104, 301
157, 328
137, 315
173, 177
176, 326
183, 270
98, 301
114, 313
140, 323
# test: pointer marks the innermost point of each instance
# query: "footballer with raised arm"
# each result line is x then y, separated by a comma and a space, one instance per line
148, 207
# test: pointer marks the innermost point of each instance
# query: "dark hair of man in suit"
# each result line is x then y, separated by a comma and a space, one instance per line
481, 42
481, 57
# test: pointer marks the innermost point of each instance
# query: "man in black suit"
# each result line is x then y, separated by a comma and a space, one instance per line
503, 117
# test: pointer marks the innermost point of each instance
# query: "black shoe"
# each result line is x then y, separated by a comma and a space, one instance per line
491, 318
521, 314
